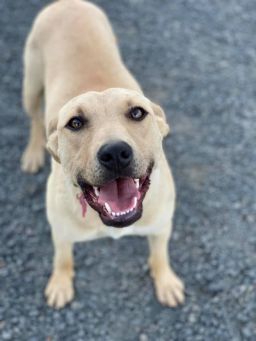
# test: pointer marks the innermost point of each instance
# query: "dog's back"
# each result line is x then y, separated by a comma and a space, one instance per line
70, 50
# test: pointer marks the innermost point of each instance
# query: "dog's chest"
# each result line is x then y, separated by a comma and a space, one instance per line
116, 233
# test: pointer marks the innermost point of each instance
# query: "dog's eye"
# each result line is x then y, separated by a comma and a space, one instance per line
137, 114
76, 123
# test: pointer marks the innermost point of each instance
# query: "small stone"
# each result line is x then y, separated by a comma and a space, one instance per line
143, 337
7, 335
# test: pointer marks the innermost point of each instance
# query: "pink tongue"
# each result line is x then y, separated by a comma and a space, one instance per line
119, 194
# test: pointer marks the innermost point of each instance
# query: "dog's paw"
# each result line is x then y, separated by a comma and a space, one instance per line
32, 159
59, 290
169, 289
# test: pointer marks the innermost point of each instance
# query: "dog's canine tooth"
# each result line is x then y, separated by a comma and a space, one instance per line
96, 190
135, 202
137, 183
107, 207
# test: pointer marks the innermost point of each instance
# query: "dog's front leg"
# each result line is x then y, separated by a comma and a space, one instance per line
169, 288
59, 290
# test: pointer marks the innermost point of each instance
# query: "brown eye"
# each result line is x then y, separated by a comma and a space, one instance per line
76, 123
137, 114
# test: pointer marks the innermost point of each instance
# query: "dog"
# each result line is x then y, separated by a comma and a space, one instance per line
109, 175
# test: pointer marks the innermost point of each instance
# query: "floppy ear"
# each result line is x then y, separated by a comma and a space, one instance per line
161, 119
52, 140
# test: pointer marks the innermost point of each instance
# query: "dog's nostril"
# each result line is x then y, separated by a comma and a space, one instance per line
106, 157
125, 155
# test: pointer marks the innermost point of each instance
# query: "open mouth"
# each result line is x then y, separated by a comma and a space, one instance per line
118, 202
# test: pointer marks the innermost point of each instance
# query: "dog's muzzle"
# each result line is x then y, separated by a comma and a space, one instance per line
119, 195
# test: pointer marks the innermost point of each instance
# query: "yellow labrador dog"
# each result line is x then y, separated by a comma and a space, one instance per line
109, 176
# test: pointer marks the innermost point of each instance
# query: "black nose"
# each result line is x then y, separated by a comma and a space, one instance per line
115, 156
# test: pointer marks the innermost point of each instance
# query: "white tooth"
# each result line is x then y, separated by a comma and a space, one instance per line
118, 214
135, 202
137, 183
107, 207
113, 213
96, 190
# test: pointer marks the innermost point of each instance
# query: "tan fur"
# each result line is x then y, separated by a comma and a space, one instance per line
72, 58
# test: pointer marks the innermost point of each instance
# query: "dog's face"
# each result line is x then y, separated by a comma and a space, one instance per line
107, 143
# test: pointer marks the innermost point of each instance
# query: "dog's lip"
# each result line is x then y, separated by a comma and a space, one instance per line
124, 217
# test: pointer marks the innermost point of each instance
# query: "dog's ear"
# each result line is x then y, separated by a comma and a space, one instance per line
52, 140
161, 119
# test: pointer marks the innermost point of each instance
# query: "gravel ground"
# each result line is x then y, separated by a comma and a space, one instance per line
198, 59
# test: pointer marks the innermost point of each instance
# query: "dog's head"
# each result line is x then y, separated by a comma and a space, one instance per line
107, 143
